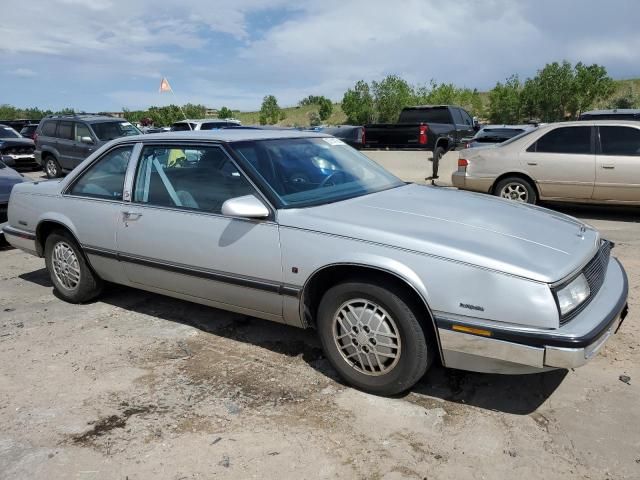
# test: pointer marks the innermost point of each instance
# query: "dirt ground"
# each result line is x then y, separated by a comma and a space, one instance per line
140, 386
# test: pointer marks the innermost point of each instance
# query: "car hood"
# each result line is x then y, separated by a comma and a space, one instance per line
16, 142
485, 231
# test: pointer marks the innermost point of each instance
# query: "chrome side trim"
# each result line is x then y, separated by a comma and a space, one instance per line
214, 275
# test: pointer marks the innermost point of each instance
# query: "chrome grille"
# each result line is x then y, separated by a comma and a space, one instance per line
594, 272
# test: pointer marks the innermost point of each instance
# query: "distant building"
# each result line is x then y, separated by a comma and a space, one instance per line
211, 112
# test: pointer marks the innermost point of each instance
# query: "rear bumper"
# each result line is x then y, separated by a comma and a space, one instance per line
524, 350
20, 239
465, 182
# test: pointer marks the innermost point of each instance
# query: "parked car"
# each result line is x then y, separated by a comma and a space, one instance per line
203, 124
19, 124
438, 128
8, 178
494, 134
64, 141
615, 114
372, 263
352, 135
586, 161
29, 131
20, 150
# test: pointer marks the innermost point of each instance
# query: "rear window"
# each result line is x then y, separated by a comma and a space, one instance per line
213, 125
49, 129
425, 115
183, 127
497, 134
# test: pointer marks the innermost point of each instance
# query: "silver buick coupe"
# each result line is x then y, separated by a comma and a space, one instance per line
300, 228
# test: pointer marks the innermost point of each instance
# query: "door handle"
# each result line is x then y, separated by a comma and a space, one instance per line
131, 216
608, 167
532, 163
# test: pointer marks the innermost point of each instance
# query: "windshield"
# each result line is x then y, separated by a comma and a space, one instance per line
518, 137
8, 132
110, 130
313, 171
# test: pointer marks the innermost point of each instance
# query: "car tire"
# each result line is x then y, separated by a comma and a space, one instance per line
384, 358
51, 167
72, 278
517, 189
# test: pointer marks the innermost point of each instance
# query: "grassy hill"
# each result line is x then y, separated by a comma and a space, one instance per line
299, 116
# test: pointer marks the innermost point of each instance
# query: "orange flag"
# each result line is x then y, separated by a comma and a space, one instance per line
164, 86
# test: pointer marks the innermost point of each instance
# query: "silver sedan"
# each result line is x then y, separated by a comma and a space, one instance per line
301, 229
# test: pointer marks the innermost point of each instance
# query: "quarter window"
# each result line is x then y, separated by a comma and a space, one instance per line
620, 141
572, 140
105, 178
49, 129
194, 178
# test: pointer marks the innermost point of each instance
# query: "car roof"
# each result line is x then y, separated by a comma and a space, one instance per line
85, 118
207, 120
225, 135
620, 111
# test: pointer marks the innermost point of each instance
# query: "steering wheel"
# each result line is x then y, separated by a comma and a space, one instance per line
324, 182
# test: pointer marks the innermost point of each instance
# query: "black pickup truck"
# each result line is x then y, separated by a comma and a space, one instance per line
439, 128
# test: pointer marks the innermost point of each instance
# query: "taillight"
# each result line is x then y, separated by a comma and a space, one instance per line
35, 137
362, 135
422, 136
463, 163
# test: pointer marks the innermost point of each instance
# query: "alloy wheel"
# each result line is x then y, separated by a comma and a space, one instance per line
65, 265
52, 168
515, 191
367, 337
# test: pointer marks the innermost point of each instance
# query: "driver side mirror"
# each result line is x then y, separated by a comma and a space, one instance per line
87, 140
245, 207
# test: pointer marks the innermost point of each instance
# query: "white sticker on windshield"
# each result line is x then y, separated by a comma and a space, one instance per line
333, 141
125, 124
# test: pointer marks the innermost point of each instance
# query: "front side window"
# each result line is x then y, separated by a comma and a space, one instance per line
82, 131
620, 141
189, 177
570, 140
105, 178
311, 171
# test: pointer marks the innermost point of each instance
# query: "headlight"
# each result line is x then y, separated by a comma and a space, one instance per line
573, 294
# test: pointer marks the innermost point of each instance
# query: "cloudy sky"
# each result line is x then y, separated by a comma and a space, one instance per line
109, 54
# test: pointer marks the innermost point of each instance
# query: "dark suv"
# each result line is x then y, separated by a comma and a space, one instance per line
64, 141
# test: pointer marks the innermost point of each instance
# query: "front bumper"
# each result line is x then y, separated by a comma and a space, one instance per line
483, 346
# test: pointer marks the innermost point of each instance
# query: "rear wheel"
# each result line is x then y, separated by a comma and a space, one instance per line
373, 338
70, 274
52, 167
517, 189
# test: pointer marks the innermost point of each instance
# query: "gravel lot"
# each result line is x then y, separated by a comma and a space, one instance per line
140, 386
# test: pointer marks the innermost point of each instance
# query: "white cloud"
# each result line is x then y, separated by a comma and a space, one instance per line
23, 72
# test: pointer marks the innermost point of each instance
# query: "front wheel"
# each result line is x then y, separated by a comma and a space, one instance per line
517, 189
373, 338
70, 274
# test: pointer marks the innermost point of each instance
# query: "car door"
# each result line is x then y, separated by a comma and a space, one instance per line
562, 162
93, 204
173, 237
65, 145
618, 164
465, 128
81, 147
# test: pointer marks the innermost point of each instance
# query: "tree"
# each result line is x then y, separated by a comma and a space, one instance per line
625, 99
505, 106
194, 111
592, 84
326, 108
390, 96
314, 119
270, 112
357, 104
225, 112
